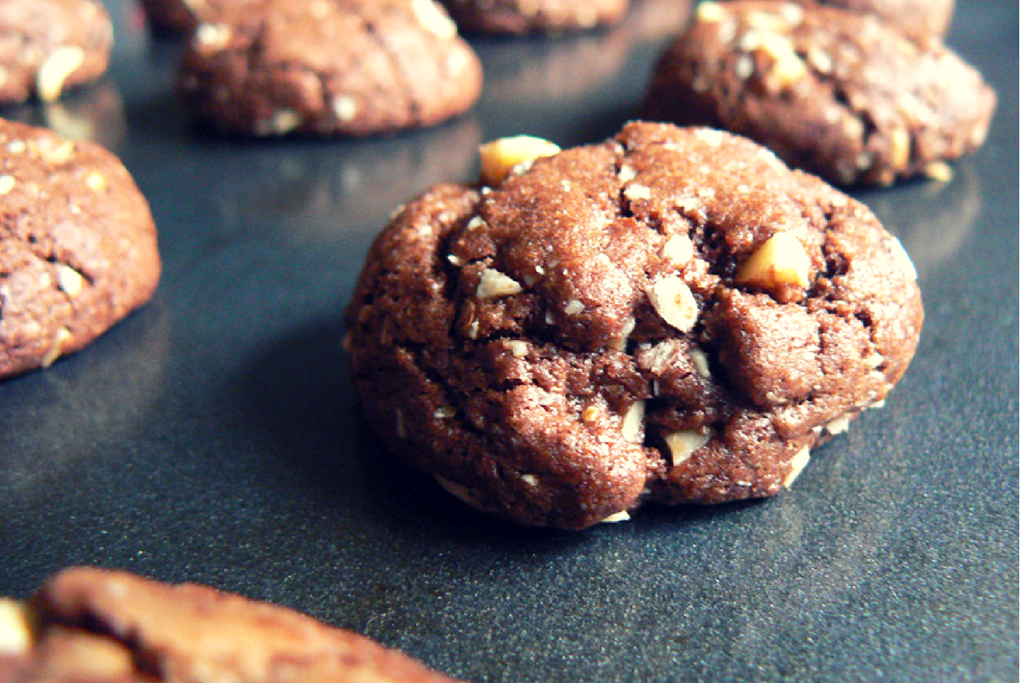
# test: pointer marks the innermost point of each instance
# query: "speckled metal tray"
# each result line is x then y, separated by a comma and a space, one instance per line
214, 435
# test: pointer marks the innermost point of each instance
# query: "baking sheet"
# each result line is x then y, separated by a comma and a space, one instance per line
214, 435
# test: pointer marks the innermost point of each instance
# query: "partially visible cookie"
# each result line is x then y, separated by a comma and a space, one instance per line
180, 16
914, 17
672, 316
48, 46
843, 95
98, 626
330, 67
534, 16
78, 247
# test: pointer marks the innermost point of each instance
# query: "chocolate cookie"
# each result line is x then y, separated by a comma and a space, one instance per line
914, 17
843, 95
180, 16
78, 247
332, 67
534, 16
672, 316
47, 46
98, 626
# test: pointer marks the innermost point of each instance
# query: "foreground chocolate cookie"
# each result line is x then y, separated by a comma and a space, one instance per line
333, 67
534, 16
842, 95
78, 247
671, 316
48, 46
98, 626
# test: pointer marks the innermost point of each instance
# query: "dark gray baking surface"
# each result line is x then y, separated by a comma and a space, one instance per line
214, 437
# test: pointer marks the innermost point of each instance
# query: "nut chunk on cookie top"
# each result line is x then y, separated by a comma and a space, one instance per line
843, 95
98, 626
78, 248
331, 67
670, 316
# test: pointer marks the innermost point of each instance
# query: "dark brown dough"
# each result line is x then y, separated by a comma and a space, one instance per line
842, 95
99, 626
331, 67
628, 322
78, 248
47, 46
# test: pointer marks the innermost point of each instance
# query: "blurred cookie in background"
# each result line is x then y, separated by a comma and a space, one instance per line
49, 46
328, 67
843, 95
519, 17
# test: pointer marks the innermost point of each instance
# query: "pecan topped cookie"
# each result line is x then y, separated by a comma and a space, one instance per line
843, 95
670, 316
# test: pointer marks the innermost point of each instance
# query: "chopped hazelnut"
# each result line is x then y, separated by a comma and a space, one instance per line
778, 263
499, 157
674, 302
633, 422
15, 636
797, 465
684, 443
495, 284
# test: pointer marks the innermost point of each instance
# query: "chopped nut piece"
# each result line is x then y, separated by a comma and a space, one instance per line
530, 479
7, 183
710, 11
674, 302
939, 170
683, 444
838, 425
901, 256
633, 422
700, 363
627, 173
637, 192
573, 307
432, 18
779, 262
499, 157
56, 347
710, 136
495, 284
213, 36
95, 181
69, 280
797, 465
678, 249
900, 141
345, 108
15, 636
622, 516
590, 413
284, 121
61, 63
518, 347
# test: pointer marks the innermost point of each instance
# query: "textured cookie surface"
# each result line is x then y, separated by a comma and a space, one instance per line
331, 67
672, 316
843, 95
534, 16
47, 46
98, 626
78, 246
914, 17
